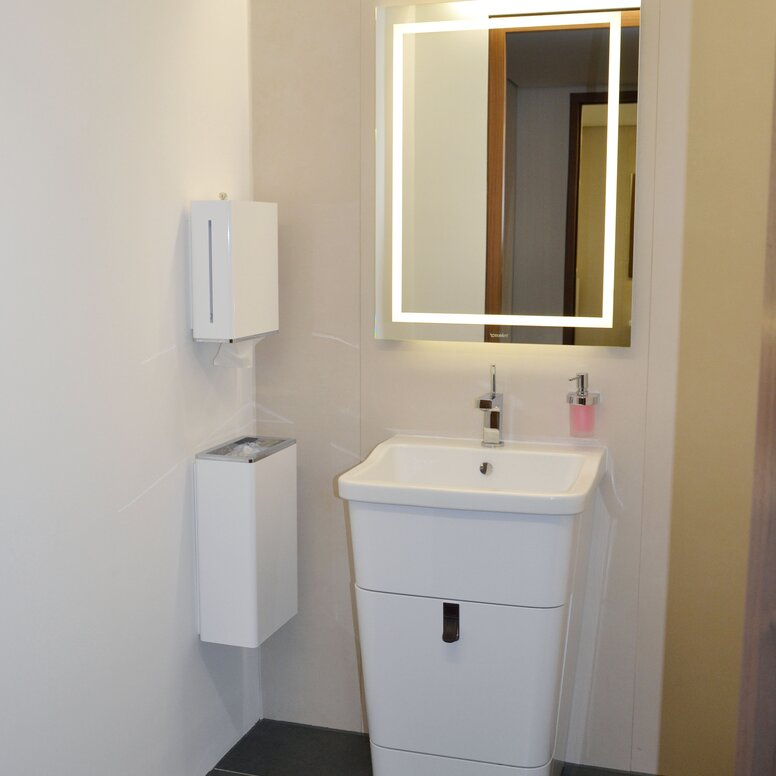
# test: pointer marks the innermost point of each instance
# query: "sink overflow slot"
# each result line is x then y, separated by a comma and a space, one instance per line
486, 468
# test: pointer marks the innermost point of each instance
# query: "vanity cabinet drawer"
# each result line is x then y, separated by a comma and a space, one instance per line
491, 695
494, 557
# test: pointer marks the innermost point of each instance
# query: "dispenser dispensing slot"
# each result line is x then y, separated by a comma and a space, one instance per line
210, 265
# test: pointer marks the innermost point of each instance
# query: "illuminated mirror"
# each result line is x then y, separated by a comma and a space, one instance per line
504, 199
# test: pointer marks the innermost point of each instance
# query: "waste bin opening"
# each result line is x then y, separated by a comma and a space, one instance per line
247, 449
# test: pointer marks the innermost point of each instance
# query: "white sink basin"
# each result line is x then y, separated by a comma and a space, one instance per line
532, 478
464, 560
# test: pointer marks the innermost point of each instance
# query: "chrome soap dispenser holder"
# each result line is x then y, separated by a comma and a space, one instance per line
582, 407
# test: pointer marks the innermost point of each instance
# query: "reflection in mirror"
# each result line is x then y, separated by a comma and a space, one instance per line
547, 145
582, 285
492, 177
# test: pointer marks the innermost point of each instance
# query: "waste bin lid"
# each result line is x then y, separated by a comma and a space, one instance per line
246, 449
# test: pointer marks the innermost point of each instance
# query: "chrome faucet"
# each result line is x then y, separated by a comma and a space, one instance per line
492, 405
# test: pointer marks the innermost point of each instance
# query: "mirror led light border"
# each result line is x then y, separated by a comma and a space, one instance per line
614, 20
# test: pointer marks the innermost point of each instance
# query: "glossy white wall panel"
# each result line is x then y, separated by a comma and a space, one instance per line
491, 696
523, 560
307, 376
325, 355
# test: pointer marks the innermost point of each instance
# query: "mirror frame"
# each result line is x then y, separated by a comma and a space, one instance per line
547, 16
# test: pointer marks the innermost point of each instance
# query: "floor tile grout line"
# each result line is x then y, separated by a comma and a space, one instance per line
234, 773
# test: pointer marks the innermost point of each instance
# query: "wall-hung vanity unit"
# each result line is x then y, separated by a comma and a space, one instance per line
468, 600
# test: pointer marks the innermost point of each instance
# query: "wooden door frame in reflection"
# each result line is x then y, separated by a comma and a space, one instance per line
577, 102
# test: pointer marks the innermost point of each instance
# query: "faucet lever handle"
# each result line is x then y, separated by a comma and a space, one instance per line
489, 402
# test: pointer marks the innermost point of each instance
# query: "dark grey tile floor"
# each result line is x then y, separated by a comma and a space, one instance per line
274, 748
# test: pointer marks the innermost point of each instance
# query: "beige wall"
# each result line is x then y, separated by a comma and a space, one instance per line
327, 381
732, 80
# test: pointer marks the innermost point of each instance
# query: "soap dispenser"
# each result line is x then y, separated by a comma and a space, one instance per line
582, 408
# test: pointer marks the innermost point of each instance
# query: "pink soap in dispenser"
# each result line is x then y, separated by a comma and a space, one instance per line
582, 408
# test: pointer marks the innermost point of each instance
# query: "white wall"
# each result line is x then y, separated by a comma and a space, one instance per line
327, 381
115, 116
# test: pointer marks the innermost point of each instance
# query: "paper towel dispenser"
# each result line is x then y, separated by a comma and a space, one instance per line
234, 270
